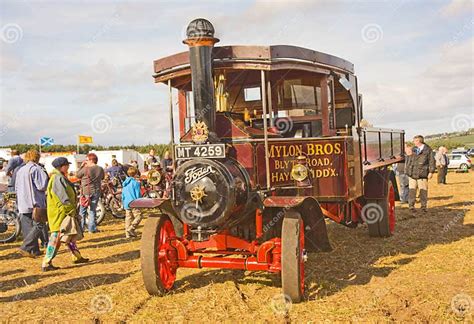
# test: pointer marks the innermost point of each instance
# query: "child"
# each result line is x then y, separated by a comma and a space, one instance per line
130, 192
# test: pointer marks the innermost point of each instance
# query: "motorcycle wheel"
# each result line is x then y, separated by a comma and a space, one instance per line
116, 208
99, 213
10, 226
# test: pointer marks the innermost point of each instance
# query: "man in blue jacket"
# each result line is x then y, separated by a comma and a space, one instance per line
130, 192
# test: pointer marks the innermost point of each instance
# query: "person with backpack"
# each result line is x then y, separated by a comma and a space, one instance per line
130, 192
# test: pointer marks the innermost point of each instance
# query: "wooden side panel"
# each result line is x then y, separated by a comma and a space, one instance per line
326, 160
354, 168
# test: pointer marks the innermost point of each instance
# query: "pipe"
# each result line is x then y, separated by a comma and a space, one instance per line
265, 128
249, 263
170, 94
201, 40
259, 223
271, 113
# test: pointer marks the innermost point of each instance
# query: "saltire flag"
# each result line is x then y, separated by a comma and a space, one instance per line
46, 141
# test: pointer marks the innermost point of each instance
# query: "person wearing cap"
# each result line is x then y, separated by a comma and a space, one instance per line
12, 167
61, 202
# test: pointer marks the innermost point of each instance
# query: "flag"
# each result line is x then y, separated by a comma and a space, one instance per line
85, 139
46, 141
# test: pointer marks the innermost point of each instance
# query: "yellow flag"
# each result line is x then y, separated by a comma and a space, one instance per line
85, 139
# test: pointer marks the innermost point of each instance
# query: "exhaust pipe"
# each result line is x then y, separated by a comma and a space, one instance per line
201, 40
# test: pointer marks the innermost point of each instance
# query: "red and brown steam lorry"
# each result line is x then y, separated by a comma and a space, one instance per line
271, 144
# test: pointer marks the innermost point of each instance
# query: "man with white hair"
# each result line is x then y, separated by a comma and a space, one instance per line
442, 162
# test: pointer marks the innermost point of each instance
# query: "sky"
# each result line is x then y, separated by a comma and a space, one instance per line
85, 67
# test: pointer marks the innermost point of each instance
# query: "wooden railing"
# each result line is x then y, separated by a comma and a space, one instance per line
381, 146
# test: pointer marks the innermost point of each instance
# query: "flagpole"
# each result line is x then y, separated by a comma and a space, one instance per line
40, 146
78, 145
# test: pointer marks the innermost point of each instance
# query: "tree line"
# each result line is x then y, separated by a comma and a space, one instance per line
451, 134
160, 149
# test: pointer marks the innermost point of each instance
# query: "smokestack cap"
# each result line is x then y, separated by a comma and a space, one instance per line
199, 28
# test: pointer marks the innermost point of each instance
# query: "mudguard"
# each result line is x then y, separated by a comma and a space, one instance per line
316, 236
283, 201
147, 202
375, 184
164, 205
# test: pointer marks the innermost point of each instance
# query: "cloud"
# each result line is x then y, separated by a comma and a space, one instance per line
456, 8
79, 59
9, 62
440, 92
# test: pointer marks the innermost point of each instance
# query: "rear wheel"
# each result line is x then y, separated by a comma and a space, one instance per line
464, 167
292, 256
158, 257
379, 214
99, 213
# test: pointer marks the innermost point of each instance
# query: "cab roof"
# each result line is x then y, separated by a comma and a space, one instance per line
273, 57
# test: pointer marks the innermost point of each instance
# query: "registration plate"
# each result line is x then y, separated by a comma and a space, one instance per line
207, 151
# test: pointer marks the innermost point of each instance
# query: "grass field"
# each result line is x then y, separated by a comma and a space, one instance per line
467, 141
424, 273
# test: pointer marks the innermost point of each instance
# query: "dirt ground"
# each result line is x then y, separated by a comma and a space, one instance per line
424, 273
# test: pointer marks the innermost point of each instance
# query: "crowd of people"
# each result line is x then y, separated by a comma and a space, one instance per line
66, 210
52, 212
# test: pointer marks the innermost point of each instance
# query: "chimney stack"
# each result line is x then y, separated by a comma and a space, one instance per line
201, 40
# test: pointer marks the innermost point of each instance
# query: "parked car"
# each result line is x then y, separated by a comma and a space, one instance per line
459, 151
459, 162
470, 152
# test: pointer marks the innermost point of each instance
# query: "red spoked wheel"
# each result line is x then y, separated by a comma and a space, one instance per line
158, 258
292, 256
379, 214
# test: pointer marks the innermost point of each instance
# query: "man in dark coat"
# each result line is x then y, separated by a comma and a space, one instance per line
419, 168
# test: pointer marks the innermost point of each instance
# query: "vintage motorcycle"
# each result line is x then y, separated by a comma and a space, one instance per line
112, 197
100, 210
10, 225
156, 183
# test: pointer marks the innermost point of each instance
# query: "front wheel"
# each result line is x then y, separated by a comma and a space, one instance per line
158, 258
292, 256
116, 208
379, 214
10, 226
